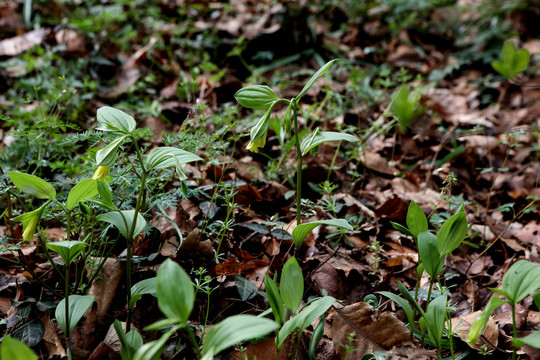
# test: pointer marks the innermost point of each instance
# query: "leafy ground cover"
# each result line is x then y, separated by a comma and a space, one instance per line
195, 179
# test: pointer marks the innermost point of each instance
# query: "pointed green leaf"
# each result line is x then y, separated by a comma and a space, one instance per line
165, 157
14, 349
86, 189
314, 78
429, 255
107, 155
512, 62
123, 221
531, 340
32, 185
301, 231
416, 219
521, 279
435, 318
146, 286
318, 137
78, 305
480, 323
401, 302
234, 330
407, 295
258, 97
130, 342
304, 318
276, 303
452, 233
68, 250
153, 349
402, 228
175, 302
115, 121
405, 106
292, 285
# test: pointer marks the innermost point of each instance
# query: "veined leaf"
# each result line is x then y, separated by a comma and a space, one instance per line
416, 219
258, 97
276, 303
68, 250
107, 155
429, 255
174, 290
452, 233
123, 221
86, 189
146, 286
301, 231
435, 318
292, 285
165, 157
115, 121
233, 330
33, 185
14, 349
78, 305
521, 279
318, 137
314, 78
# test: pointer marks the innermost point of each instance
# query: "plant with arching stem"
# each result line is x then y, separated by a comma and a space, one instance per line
521, 280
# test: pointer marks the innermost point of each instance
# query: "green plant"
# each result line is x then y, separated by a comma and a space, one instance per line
521, 280
405, 106
14, 349
512, 61
176, 303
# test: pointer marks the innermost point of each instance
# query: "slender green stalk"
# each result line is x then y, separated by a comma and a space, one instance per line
298, 166
66, 298
514, 328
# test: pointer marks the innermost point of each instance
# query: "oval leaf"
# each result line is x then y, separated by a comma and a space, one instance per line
123, 221
233, 330
32, 185
429, 255
175, 302
318, 137
146, 286
86, 189
68, 250
165, 157
13, 349
78, 305
258, 97
301, 231
114, 120
292, 285
521, 279
452, 233
416, 219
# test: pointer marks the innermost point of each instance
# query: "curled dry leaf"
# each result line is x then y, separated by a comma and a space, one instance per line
19, 44
371, 333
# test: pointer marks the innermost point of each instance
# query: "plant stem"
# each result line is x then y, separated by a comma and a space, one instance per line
66, 298
298, 166
514, 328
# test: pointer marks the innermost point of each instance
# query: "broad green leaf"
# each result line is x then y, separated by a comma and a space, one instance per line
234, 330
314, 78
512, 62
154, 349
401, 302
165, 157
452, 233
107, 155
318, 137
416, 219
291, 285
68, 250
402, 228
32, 185
174, 291
78, 305
435, 318
146, 286
131, 341
429, 255
13, 349
521, 279
480, 323
86, 189
531, 340
304, 318
30, 333
276, 303
405, 106
115, 121
301, 231
258, 97
123, 221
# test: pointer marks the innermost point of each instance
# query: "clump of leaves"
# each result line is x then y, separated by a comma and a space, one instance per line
512, 61
405, 106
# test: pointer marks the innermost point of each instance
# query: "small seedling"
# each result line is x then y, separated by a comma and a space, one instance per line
512, 61
405, 107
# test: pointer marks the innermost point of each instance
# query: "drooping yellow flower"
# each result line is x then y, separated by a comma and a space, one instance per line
30, 230
254, 146
101, 172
